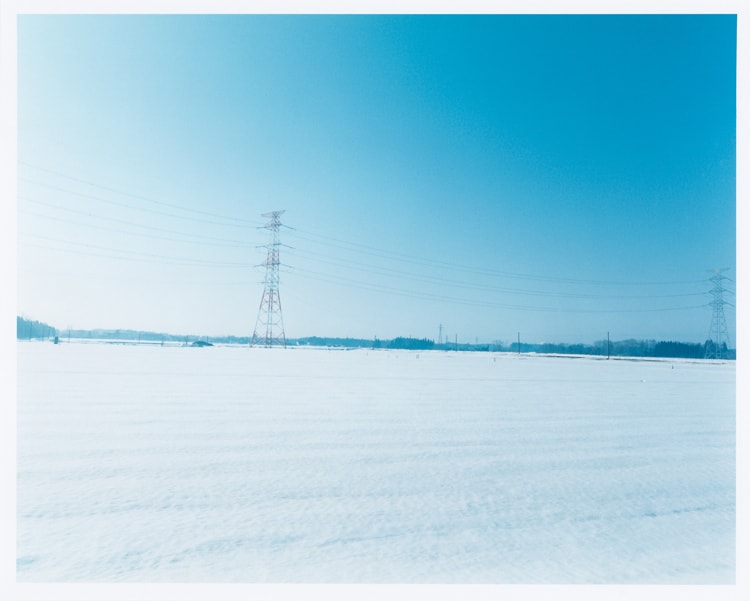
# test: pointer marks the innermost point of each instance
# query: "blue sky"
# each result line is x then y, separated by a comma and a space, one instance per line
562, 176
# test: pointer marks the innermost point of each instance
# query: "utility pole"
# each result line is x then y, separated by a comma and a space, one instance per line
440, 334
269, 311
608, 346
519, 343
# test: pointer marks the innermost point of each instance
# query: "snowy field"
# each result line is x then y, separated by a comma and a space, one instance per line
148, 463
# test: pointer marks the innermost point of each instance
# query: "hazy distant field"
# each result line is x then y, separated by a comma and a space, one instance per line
140, 463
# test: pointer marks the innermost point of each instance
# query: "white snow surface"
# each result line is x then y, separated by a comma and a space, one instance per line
147, 463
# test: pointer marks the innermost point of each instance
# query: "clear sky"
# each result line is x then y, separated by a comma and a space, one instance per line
562, 176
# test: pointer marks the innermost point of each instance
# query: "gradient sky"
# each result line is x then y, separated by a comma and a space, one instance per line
562, 176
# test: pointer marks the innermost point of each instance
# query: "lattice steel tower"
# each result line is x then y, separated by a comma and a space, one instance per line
718, 333
269, 327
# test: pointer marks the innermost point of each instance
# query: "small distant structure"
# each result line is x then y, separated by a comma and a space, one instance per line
201, 343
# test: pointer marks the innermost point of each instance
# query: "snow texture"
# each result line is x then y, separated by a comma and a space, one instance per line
147, 463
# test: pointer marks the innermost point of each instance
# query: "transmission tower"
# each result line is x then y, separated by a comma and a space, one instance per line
269, 327
718, 335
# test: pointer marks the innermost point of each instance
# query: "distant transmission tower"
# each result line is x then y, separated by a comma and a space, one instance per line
718, 334
269, 327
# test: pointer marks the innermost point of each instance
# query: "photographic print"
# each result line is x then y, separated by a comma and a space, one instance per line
365, 298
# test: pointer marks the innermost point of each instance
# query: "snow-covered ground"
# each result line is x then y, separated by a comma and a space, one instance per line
147, 463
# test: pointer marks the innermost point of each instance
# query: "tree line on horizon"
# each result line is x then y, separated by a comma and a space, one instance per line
27, 329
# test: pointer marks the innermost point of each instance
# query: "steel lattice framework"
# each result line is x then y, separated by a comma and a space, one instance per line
269, 327
718, 334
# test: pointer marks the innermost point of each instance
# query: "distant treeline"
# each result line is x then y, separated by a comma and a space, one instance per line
404, 343
621, 348
412, 344
27, 329
334, 342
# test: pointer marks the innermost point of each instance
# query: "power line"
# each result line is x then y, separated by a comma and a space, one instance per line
411, 276
340, 260
151, 257
476, 303
206, 240
135, 254
136, 196
119, 277
361, 267
367, 286
382, 253
339, 243
135, 208
330, 241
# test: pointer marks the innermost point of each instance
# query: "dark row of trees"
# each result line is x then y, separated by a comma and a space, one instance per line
619, 348
29, 329
623, 348
333, 342
401, 342
410, 344
626, 348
